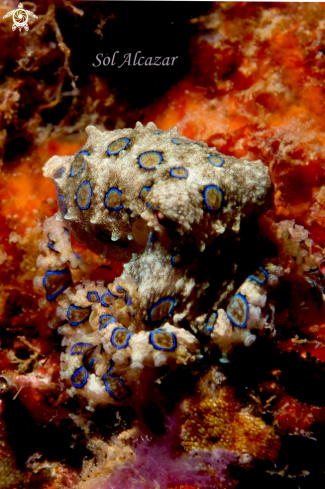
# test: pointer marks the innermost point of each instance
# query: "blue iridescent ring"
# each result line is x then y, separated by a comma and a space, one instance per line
85, 188
110, 296
83, 348
113, 193
106, 379
213, 198
179, 172
105, 319
126, 335
93, 296
150, 159
260, 280
208, 327
78, 165
144, 192
83, 382
116, 146
66, 275
216, 160
241, 320
166, 339
83, 310
181, 141
177, 260
161, 310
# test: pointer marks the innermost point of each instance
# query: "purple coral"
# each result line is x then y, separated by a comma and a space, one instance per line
159, 464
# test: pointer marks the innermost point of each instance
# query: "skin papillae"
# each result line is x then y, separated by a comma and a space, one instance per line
181, 215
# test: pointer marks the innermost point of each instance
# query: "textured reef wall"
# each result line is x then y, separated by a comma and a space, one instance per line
208, 415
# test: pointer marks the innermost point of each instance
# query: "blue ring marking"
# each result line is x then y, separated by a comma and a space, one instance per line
144, 188
158, 132
97, 298
50, 244
76, 308
79, 170
151, 208
243, 324
154, 344
126, 339
158, 322
83, 208
172, 172
65, 286
58, 174
76, 254
110, 153
109, 294
72, 352
62, 205
79, 386
149, 153
206, 199
174, 262
52, 248
128, 299
216, 164
72, 173
92, 361
209, 324
257, 280
107, 195
128, 211
108, 375
120, 289
181, 141
110, 320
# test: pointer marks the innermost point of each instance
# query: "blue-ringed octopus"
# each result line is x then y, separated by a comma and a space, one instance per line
183, 219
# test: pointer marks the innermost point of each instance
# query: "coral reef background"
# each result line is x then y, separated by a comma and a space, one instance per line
250, 82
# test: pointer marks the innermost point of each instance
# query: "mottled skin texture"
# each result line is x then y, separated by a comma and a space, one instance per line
183, 215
